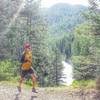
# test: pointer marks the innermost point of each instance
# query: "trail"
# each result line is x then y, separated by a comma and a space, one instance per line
10, 93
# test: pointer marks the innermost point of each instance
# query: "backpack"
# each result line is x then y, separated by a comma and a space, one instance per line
26, 60
22, 60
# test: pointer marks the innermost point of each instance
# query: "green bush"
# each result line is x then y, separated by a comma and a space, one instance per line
83, 68
84, 84
8, 69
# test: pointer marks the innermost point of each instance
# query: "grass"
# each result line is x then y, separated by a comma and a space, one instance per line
86, 84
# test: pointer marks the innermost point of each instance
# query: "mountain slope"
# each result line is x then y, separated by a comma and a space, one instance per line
62, 18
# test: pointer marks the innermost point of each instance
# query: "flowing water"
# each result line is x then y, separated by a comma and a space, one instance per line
67, 73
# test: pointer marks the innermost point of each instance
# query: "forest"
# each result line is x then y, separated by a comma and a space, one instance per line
63, 32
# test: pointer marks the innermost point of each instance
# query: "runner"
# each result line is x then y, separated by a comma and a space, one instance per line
26, 67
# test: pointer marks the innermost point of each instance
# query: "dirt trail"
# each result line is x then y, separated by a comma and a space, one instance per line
10, 93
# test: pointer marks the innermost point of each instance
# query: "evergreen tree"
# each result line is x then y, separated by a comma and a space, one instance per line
35, 33
94, 19
83, 57
64, 45
8, 10
56, 67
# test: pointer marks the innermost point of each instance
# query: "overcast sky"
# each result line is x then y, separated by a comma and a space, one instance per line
49, 3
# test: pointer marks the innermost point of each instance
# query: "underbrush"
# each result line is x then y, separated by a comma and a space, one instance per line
86, 84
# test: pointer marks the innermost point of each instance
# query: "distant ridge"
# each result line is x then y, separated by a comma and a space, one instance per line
63, 17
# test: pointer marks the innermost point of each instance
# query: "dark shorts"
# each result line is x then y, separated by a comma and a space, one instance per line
27, 72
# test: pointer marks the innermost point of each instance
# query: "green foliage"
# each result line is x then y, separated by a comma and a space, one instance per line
83, 40
64, 44
63, 18
28, 26
87, 84
94, 18
83, 46
8, 69
83, 57
84, 68
56, 68
8, 10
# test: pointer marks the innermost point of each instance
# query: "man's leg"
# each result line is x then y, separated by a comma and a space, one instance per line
34, 83
22, 75
20, 83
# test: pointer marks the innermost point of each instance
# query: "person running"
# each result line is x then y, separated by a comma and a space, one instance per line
26, 67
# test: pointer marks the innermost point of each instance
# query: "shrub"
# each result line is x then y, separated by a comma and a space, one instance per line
84, 84
8, 69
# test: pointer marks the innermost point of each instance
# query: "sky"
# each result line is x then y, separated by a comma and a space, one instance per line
49, 3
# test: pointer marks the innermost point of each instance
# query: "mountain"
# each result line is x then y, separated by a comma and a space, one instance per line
62, 18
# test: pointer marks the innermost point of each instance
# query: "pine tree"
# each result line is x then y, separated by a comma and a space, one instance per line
83, 57
94, 18
34, 31
56, 68
8, 10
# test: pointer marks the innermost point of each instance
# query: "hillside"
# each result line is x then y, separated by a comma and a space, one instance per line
62, 18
